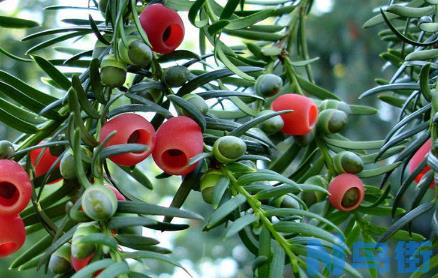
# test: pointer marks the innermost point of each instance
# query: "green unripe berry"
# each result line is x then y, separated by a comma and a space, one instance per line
198, 102
81, 249
140, 53
99, 202
59, 262
123, 49
271, 125
332, 121
67, 166
228, 149
208, 182
6, 149
113, 72
312, 197
268, 85
334, 104
286, 201
347, 162
176, 76
135, 51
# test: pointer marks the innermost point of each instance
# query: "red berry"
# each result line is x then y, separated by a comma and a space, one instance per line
78, 264
42, 163
163, 26
12, 234
303, 117
131, 128
119, 195
346, 192
416, 160
178, 140
15, 188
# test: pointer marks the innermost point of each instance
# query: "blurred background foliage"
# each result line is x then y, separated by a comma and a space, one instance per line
349, 62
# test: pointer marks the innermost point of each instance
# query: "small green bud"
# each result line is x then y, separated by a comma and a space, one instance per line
347, 162
332, 121
176, 76
229, 148
140, 53
99, 202
198, 102
271, 125
67, 166
334, 104
312, 197
113, 72
286, 201
7, 149
80, 249
268, 85
59, 262
123, 49
208, 182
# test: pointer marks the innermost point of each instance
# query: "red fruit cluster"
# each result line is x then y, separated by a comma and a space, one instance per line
303, 117
416, 160
163, 26
15, 194
343, 185
172, 146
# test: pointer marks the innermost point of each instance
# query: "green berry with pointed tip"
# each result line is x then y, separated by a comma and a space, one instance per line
81, 249
140, 53
228, 149
99, 202
332, 121
7, 149
124, 48
286, 201
268, 85
67, 166
198, 102
176, 76
347, 162
208, 182
271, 125
334, 104
113, 72
312, 197
59, 262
